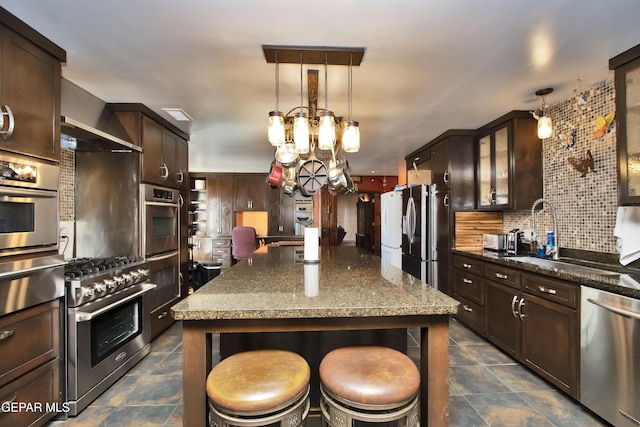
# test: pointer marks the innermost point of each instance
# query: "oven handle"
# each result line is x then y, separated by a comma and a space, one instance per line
620, 311
83, 316
28, 271
27, 192
162, 257
164, 204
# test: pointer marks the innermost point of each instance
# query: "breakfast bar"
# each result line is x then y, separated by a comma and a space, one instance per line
348, 290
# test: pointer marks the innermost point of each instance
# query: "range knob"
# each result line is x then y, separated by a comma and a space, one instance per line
144, 272
120, 281
110, 283
101, 287
86, 292
135, 275
128, 278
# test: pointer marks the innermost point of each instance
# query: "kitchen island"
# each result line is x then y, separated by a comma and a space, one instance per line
350, 289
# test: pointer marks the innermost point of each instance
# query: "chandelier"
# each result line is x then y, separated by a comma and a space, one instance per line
306, 127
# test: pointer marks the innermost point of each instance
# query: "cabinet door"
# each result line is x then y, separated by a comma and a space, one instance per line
501, 173
627, 81
440, 165
30, 87
220, 207
485, 182
502, 325
550, 342
250, 193
202, 248
182, 164
169, 163
152, 134
280, 213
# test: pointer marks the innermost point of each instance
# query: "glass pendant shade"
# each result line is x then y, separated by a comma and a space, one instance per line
326, 131
276, 128
545, 128
351, 136
301, 132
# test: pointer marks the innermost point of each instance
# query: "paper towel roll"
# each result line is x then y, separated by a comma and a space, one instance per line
311, 280
311, 244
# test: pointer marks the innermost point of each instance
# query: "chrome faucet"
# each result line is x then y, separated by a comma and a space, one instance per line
556, 247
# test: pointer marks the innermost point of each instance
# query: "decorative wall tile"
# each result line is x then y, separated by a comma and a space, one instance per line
585, 206
66, 193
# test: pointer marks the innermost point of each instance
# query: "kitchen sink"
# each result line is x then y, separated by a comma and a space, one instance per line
565, 265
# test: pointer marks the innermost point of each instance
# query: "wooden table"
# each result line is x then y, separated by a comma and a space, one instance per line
350, 289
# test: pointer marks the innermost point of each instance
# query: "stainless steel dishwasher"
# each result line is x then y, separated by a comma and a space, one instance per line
610, 356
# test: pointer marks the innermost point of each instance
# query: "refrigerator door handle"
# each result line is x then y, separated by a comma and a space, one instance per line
411, 219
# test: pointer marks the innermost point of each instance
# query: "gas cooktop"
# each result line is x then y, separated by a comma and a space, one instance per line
88, 279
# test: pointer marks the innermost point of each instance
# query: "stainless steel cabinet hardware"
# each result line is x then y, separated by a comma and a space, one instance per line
445, 200
468, 281
549, 291
465, 265
520, 305
180, 177
7, 333
445, 177
6, 111
467, 308
513, 306
162, 315
164, 171
502, 276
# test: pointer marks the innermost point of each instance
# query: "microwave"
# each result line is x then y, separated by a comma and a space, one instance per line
494, 242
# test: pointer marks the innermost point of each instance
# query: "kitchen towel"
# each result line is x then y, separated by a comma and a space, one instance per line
627, 233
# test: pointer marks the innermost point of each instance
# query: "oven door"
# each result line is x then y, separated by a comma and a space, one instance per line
105, 336
164, 272
28, 220
160, 228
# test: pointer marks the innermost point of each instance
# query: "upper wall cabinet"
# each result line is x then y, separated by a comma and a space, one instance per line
165, 149
627, 82
250, 193
30, 80
509, 168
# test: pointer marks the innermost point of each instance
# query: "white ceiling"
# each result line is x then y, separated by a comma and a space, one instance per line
429, 65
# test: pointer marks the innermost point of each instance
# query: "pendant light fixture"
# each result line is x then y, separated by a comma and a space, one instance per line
276, 118
327, 124
350, 128
545, 126
301, 124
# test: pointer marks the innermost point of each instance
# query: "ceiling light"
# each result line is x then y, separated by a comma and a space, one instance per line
276, 118
178, 114
350, 128
545, 126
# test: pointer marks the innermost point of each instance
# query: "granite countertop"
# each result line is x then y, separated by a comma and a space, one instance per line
347, 282
611, 278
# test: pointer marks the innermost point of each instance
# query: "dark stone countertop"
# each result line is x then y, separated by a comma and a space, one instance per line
274, 284
614, 278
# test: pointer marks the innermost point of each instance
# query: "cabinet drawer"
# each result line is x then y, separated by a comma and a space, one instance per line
161, 318
470, 313
29, 338
469, 264
552, 290
221, 243
39, 387
469, 285
504, 275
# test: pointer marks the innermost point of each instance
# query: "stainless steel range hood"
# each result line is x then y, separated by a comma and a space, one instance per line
81, 137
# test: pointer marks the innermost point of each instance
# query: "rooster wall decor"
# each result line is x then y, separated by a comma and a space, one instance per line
582, 165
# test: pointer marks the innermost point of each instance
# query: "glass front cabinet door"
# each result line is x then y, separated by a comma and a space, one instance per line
509, 168
627, 82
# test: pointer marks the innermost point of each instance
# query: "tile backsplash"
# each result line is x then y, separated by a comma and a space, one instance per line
585, 205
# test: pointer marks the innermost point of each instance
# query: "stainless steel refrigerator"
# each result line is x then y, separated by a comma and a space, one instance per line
419, 255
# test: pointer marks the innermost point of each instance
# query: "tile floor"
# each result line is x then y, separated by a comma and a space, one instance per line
487, 388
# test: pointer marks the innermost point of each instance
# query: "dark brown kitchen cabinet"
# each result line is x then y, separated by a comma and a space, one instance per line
250, 193
164, 146
30, 362
220, 192
627, 83
281, 213
509, 165
30, 85
531, 317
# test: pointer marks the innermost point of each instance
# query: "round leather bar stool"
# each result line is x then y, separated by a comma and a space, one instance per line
258, 388
370, 384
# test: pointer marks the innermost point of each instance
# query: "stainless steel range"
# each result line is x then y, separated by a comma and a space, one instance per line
108, 323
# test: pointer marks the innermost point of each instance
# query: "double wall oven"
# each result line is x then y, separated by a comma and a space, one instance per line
160, 243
